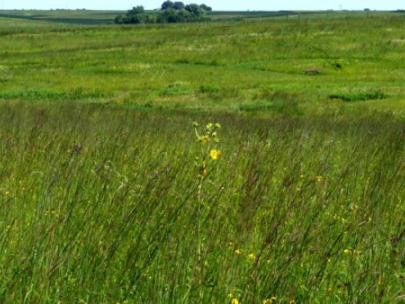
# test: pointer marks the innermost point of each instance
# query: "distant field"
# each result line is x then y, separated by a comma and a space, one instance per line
80, 17
89, 17
94, 17
235, 66
258, 158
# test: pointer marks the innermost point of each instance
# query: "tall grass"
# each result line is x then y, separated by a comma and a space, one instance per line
101, 205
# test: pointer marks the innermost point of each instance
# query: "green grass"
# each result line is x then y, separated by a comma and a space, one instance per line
45, 94
108, 197
71, 17
135, 64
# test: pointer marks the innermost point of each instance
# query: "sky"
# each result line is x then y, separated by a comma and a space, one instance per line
270, 5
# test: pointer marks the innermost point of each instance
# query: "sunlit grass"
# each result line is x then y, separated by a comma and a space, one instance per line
218, 66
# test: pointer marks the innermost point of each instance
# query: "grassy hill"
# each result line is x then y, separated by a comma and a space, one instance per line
79, 17
221, 66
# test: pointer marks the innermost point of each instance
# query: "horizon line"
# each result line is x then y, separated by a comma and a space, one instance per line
220, 10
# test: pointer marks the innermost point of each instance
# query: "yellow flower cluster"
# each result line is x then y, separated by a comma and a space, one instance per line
207, 137
214, 154
269, 301
252, 256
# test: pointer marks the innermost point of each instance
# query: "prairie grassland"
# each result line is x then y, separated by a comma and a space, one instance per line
108, 196
220, 66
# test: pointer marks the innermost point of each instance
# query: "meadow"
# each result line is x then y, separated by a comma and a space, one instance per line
244, 160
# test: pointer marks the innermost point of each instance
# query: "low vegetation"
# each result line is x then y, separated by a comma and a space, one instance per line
352, 97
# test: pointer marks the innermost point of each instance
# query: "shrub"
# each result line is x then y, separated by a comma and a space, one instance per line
280, 102
136, 15
174, 16
353, 97
209, 89
175, 89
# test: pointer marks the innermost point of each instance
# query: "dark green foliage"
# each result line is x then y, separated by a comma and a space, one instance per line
136, 15
175, 16
282, 103
178, 5
352, 97
54, 95
209, 89
214, 92
194, 9
177, 12
167, 5
171, 12
119, 19
175, 89
205, 8
136, 10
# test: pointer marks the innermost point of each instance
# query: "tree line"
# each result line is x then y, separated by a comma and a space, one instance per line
170, 12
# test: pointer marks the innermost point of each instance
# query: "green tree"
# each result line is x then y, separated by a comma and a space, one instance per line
194, 9
171, 12
136, 10
178, 5
136, 15
167, 5
206, 8
119, 19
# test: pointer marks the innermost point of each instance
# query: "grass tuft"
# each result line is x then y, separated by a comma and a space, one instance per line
353, 97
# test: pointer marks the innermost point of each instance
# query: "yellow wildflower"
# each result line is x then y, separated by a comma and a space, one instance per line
252, 256
318, 178
234, 301
269, 301
214, 154
238, 252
